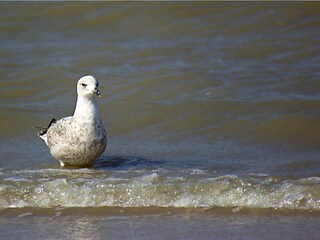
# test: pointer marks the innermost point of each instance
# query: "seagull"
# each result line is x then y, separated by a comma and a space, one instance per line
80, 139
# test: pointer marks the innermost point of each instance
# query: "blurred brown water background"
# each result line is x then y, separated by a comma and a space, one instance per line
212, 111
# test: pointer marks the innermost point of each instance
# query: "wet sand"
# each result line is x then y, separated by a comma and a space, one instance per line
158, 223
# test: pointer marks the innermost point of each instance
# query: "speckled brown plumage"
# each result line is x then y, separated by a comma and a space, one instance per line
81, 138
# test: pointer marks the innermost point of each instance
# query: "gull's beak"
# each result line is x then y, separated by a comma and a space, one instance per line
96, 92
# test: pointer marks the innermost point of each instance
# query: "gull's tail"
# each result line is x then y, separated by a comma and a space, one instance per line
43, 133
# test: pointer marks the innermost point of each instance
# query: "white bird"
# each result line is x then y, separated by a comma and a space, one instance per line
79, 139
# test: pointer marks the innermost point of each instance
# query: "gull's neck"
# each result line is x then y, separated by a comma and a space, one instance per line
86, 109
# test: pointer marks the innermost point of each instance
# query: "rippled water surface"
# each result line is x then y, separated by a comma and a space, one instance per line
207, 106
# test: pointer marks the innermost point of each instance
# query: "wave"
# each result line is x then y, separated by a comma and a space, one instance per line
190, 188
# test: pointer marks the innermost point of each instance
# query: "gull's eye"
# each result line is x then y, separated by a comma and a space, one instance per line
83, 84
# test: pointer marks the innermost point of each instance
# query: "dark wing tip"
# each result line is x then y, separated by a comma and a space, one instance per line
44, 130
51, 122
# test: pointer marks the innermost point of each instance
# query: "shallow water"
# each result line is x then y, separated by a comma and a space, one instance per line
159, 224
207, 105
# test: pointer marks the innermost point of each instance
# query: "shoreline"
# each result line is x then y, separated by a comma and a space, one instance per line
158, 223
147, 211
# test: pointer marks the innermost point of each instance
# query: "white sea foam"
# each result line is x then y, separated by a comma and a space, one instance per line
158, 189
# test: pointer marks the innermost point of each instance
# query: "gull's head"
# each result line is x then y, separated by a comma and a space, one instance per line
88, 86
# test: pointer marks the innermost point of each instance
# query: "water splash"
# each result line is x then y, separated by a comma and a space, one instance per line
156, 188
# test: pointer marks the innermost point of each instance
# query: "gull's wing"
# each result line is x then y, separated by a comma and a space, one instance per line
43, 133
56, 133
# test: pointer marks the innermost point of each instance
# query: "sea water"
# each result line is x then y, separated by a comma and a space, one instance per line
210, 107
